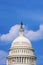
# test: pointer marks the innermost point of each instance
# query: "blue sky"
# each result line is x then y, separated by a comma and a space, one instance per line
30, 12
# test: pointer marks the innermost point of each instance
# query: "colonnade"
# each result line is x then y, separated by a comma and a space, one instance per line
22, 60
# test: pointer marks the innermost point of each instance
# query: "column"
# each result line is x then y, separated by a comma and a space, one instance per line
16, 59
20, 59
23, 59
26, 59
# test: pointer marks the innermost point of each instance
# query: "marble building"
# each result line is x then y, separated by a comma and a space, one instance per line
21, 51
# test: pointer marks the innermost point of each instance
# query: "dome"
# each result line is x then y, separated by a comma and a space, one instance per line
21, 51
21, 40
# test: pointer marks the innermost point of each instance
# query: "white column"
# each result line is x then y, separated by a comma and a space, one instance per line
26, 59
16, 59
21, 59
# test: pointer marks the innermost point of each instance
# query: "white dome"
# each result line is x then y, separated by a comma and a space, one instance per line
21, 51
21, 40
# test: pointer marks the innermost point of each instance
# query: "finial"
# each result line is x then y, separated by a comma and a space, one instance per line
21, 29
21, 25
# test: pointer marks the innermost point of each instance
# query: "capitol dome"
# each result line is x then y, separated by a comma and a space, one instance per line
21, 40
21, 51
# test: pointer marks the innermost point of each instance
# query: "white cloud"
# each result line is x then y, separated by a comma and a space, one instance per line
3, 56
14, 30
35, 35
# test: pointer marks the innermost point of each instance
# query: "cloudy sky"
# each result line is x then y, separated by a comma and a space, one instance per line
30, 12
